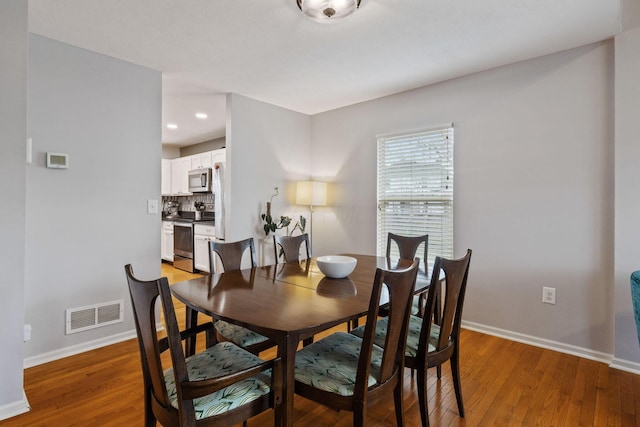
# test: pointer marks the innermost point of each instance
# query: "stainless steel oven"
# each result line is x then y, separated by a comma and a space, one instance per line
183, 246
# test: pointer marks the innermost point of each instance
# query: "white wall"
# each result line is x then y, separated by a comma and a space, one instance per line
267, 147
533, 188
85, 223
13, 134
627, 204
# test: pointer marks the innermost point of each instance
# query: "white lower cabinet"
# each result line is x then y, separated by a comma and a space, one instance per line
202, 235
167, 241
201, 253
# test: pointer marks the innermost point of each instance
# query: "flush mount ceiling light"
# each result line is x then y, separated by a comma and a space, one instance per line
328, 10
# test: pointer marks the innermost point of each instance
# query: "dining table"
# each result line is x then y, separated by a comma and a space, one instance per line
287, 303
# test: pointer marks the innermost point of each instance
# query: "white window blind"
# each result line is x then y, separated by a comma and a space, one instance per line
415, 189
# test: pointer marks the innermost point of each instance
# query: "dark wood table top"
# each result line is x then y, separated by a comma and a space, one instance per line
285, 298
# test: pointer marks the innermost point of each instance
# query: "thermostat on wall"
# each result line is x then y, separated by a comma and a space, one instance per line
57, 160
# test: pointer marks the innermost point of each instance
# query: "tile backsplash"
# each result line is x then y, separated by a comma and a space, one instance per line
186, 202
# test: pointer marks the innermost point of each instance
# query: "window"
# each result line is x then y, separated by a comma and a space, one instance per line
415, 189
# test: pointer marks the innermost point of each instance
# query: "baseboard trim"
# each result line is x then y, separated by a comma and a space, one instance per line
13, 409
81, 348
625, 365
77, 349
541, 342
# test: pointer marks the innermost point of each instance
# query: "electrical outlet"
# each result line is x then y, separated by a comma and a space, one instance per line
548, 295
27, 332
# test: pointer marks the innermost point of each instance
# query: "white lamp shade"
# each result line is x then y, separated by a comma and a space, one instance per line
311, 193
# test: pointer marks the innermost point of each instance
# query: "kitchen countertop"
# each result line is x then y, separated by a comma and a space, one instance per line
189, 217
192, 221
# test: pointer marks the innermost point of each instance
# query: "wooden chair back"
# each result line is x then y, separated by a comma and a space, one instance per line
448, 314
408, 246
400, 286
231, 254
408, 249
290, 247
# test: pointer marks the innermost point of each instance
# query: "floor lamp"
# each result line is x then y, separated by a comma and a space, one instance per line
311, 193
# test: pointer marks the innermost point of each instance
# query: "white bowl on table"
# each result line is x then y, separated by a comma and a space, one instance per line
336, 266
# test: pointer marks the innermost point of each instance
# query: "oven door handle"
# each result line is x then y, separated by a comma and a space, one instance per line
182, 224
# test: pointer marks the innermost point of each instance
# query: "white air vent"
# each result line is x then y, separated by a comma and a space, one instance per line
94, 316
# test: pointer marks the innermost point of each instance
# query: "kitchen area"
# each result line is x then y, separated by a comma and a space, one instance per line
192, 208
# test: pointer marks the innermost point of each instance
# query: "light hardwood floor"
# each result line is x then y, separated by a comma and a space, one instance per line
504, 383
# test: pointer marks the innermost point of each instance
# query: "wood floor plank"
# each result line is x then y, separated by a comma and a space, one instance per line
504, 383
504, 390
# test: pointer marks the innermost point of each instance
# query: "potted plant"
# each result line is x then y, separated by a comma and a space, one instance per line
271, 225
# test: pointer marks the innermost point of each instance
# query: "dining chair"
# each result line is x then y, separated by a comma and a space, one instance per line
289, 247
407, 247
222, 385
230, 255
347, 372
430, 342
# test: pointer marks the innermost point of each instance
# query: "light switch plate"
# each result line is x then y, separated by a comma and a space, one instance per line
152, 206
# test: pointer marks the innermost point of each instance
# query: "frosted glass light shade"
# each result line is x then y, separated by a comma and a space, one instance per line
328, 10
311, 193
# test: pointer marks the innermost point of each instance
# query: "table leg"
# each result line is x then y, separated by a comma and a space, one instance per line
287, 347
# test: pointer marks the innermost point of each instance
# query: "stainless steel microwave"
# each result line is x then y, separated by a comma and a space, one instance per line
200, 181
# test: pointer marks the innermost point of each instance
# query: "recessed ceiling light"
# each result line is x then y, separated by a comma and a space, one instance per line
172, 126
201, 115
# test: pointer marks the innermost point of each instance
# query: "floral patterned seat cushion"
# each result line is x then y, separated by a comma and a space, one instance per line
413, 337
331, 364
238, 335
221, 359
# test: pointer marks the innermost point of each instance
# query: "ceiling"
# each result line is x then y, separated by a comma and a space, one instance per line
267, 50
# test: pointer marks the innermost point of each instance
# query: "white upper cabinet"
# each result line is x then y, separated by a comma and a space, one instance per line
219, 155
175, 173
180, 168
166, 177
202, 160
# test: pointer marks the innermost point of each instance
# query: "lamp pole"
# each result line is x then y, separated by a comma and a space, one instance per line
311, 193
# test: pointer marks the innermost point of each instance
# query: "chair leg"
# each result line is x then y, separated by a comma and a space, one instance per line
352, 324
358, 416
191, 320
422, 397
439, 371
149, 417
455, 374
399, 404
